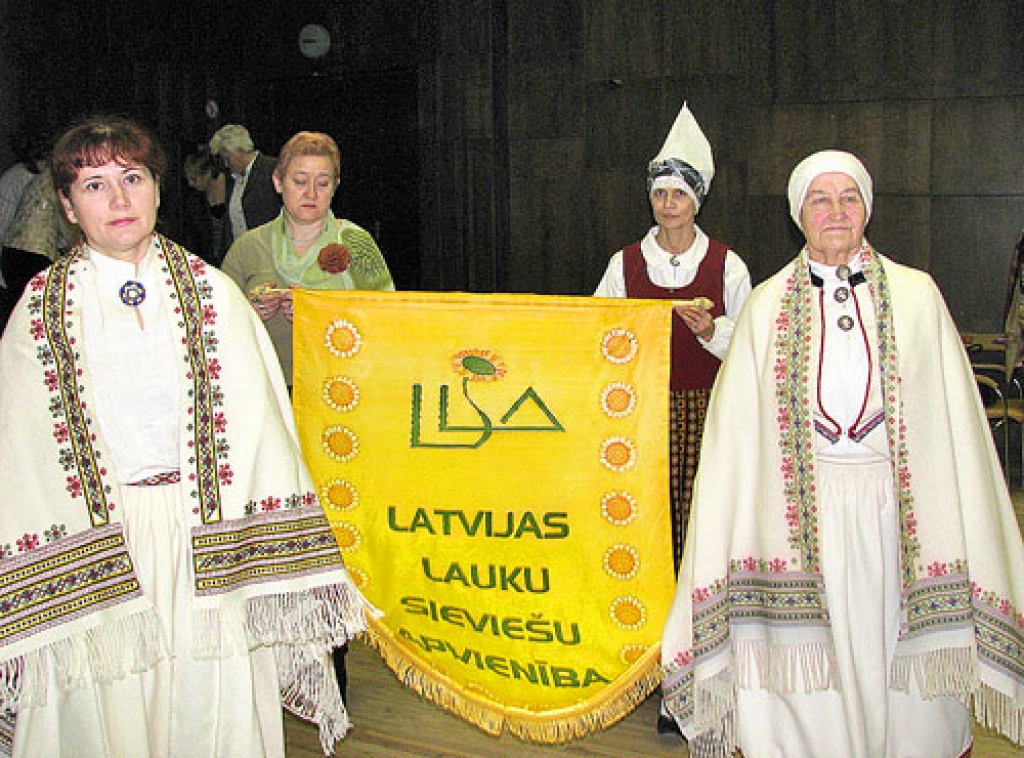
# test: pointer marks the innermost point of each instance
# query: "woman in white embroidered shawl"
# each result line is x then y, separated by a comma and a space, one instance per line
169, 579
853, 578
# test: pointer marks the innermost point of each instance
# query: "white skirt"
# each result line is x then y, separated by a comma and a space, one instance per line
863, 718
183, 707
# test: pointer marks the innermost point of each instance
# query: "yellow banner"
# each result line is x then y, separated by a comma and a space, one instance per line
495, 468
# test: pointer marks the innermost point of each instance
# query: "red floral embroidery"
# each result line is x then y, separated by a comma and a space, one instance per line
74, 486
911, 521
209, 315
36, 329
220, 423
28, 542
271, 503
215, 368
937, 569
225, 474
309, 499
334, 258
61, 433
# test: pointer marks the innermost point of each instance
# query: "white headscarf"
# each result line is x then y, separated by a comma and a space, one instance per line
827, 162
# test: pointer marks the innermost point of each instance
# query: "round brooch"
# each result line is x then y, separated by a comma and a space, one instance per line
132, 293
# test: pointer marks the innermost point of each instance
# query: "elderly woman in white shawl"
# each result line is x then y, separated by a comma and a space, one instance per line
853, 580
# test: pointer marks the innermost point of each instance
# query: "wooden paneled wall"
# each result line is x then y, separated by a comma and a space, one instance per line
536, 118
929, 95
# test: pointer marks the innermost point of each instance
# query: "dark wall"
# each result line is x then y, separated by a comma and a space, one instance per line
509, 138
929, 94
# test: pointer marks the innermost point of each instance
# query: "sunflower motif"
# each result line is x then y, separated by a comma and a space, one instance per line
619, 346
341, 393
359, 577
620, 508
339, 495
628, 613
618, 400
621, 562
348, 537
618, 454
343, 339
632, 653
478, 365
340, 443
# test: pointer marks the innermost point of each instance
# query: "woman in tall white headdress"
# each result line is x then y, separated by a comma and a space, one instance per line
854, 574
677, 261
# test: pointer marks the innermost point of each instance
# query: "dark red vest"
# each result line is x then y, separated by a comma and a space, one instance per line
693, 367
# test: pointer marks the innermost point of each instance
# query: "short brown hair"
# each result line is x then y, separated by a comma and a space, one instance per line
100, 139
309, 143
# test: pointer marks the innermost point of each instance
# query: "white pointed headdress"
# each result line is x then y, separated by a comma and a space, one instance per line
684, 160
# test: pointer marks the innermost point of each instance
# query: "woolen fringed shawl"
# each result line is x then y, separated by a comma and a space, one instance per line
265, 564
751, 604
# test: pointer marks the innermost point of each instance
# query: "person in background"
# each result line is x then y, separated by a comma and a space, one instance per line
30, 154
676, 260
853, 579
204, 212
306, 245
251, 197
39, 234
176, 579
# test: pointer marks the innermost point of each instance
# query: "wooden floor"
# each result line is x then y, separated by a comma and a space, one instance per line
393, 722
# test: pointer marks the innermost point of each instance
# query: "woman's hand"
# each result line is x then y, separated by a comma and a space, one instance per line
698, 320
287, 305
266, 300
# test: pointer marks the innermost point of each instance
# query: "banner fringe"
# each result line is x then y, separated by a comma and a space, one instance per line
550, 727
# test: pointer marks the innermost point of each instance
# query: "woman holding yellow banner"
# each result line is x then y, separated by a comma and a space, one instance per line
305, 246
677, 261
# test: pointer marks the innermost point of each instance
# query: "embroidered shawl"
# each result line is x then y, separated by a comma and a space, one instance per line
751, 605
265, 564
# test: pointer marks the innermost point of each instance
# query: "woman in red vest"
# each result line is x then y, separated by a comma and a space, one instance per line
676, 260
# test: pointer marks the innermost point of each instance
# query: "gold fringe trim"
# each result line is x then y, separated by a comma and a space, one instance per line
552, 727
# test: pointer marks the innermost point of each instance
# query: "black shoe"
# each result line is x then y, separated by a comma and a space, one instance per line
667, 725
341, 670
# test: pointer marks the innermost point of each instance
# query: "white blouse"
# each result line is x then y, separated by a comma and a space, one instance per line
735, 284
130, 359
845, 369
